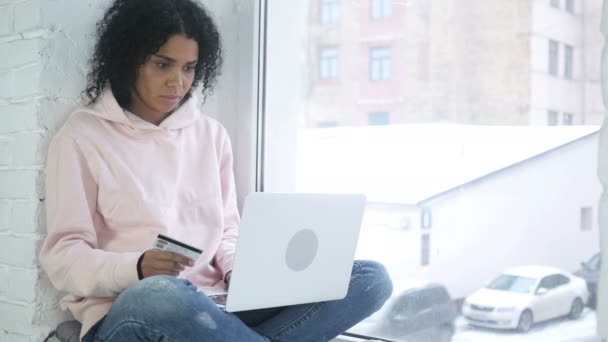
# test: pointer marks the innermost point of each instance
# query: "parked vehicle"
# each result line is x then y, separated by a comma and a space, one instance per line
419, 312
525, 295
590, 271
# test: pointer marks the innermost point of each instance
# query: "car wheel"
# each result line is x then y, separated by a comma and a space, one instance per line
445, 333
576, 309
526, 320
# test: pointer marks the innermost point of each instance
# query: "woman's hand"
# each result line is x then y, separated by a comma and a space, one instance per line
158, 262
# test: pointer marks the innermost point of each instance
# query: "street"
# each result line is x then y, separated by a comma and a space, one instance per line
559, 330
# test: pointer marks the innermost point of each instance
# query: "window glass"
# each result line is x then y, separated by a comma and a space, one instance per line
487, 149
329, 12
553, 57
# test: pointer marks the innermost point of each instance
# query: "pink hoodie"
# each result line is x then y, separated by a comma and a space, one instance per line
115, 181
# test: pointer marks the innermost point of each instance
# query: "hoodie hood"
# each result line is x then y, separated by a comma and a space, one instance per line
106, 107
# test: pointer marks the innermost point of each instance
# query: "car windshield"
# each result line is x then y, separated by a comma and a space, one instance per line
594, 263
512, 283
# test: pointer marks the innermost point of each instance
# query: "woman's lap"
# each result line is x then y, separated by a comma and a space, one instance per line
171, 309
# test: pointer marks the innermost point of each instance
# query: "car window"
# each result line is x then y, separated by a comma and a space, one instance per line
561, 279
548, 282
403, 305
512, 283
439, 295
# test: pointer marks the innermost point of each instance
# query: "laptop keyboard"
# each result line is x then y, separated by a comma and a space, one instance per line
219, 300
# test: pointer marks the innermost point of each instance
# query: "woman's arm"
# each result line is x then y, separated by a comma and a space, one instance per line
224, 256
70, 254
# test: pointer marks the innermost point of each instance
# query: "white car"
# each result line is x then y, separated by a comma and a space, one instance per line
525, 295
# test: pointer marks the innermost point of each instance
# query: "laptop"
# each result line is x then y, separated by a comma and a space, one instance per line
292, 249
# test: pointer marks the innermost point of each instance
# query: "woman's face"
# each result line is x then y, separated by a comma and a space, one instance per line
164, 79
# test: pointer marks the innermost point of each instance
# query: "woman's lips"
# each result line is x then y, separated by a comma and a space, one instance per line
171, 100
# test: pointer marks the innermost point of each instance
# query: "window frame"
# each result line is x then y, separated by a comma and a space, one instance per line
380, 9
568, 61
553, 54
380, 60
329, 12
331, 62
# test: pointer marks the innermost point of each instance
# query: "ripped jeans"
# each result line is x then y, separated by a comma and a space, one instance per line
164, 308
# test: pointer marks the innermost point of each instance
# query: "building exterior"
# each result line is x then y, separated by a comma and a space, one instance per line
459, 213
494, 62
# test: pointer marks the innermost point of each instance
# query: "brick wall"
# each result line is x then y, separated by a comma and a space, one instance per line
44, 49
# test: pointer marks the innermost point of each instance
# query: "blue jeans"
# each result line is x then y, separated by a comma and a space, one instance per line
168, 309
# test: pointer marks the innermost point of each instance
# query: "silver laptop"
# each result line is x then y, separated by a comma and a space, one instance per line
293, 249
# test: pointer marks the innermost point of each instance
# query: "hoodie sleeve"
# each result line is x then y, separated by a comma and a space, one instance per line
224, 256
70, 254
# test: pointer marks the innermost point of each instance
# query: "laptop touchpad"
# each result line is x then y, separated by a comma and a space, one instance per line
302, 250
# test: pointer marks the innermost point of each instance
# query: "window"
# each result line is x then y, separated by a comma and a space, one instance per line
330, 12
553, 57
425, 249
381, 8
467, 155
380, 63
327, 124
378, 118
552, 118
570, 6
328, 63
586, 218
568, 57
554, 3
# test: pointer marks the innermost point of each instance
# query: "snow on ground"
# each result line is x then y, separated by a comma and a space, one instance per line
560, 330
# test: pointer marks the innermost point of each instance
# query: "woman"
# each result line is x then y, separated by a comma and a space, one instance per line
139, 159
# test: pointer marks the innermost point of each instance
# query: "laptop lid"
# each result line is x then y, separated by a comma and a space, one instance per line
294, 248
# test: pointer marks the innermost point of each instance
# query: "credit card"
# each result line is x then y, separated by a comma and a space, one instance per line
166, 243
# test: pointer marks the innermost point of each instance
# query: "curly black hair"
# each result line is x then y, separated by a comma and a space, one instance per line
132, 30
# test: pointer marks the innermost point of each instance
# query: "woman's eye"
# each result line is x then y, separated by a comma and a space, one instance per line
162, 65
189, 69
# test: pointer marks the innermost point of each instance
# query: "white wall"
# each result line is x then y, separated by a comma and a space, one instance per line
529, 214
44, 49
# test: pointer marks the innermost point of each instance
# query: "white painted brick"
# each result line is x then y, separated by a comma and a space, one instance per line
19, 184
19, 284
5, 20
5, 216
16, 318
20, 52
12, 337
5, 151
27, 149
18, 251
6, 82
24, 217
18, 117
27, 15
26, 81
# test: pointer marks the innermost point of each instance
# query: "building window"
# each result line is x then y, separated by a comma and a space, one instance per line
328, 63
567, 119
586, 218
381, 8
570, 6
378, 118
425, 249
568, 59
380, 66
330, 12
551, 118
327, 124
555, 3
553, 57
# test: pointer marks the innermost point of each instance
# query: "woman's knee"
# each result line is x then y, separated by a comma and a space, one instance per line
159, 296
378, 280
